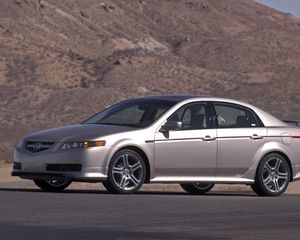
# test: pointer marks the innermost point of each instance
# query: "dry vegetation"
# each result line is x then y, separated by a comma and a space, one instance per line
63, 60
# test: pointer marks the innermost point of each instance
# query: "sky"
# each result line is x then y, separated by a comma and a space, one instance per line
290, 6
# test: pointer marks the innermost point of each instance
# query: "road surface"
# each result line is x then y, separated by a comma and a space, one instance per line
95, 214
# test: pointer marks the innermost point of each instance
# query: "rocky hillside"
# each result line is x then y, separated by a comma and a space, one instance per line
63, 60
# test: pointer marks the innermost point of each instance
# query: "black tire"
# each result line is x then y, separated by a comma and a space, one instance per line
108, 187
126, 173
52, 185
197, 188
272, 176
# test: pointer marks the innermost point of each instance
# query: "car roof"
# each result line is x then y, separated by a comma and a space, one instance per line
171, 97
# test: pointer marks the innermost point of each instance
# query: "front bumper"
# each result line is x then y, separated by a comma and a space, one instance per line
73, 164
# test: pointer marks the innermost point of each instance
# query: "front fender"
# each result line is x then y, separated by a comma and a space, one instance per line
147, 148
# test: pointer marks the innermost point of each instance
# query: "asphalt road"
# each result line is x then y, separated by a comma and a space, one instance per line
91, 214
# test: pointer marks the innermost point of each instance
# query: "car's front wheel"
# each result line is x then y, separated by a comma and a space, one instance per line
197, 188
52, 185
273, 176
126, 172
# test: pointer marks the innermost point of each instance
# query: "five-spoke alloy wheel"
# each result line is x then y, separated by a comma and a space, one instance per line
273, 176
126, 172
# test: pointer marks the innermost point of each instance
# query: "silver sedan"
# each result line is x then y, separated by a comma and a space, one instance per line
191, 140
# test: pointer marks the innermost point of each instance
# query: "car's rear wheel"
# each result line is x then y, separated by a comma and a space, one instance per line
197, 188
52, 185
273, 176
126, 172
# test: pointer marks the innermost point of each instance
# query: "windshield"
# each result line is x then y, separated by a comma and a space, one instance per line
133, 113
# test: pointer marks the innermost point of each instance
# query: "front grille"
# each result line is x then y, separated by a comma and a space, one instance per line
35, 147
64, 167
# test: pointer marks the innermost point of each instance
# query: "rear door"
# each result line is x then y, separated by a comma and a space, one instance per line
241, 136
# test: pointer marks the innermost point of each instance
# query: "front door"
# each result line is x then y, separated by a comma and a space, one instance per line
190, 151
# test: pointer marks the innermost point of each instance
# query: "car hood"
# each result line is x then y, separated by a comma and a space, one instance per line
79, 132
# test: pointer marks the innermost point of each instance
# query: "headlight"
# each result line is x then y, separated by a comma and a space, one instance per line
85, 144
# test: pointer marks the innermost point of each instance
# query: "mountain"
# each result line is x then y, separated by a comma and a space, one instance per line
63, 60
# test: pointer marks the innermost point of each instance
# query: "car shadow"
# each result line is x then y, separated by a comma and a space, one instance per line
153, 193
212, 193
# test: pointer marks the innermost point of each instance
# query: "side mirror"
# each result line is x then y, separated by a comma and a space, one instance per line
171, 125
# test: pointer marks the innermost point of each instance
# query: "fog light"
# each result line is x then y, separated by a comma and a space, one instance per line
17, 166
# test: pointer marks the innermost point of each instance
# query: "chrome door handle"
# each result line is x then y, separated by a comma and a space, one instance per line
208, 138
255, 137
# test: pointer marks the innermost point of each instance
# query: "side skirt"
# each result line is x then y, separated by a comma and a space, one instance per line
180, 179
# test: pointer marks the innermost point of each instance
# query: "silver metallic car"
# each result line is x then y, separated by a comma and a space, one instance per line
191, 140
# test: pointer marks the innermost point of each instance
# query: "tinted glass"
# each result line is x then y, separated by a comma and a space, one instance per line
234, 116
134, 113
192, 116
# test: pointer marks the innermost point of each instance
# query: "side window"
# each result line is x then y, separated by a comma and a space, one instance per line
192, 116
234, 116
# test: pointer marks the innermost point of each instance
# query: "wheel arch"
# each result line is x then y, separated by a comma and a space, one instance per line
284, 156
143, 155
